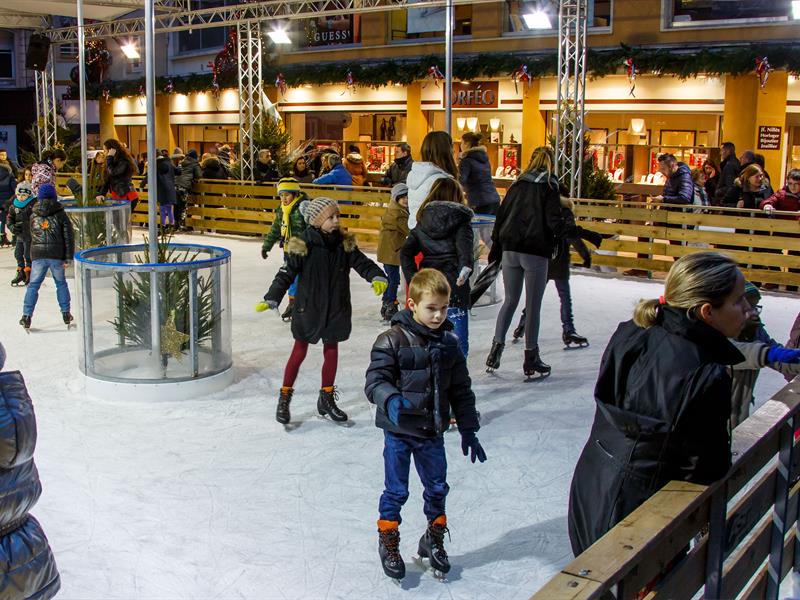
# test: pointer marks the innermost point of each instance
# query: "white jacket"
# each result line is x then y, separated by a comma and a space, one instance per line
420, 180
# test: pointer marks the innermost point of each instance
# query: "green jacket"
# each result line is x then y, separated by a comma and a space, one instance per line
297, 224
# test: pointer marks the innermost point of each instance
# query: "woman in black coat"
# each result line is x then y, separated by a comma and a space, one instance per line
662, 396
165, 184
475, 176
443, 235
120, 169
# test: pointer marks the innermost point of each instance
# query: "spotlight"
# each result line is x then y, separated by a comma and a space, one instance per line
537, 20
130, 50
279, 36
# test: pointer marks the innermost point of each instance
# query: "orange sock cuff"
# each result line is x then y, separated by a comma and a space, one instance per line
286, 390
384, 525
440, 520
328, 389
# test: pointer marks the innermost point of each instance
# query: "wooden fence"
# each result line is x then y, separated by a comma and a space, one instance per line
742, 530
642, 235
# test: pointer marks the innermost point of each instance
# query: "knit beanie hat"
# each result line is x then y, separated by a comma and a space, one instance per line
24, 189
192, 153
399, 190
752, 293
289, 184
47, 191
318, 210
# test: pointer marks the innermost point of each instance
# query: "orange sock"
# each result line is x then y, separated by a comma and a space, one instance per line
440, 520
286, 390
384, 525
327, 389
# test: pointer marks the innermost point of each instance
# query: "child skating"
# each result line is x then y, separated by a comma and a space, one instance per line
416, 376
394, 230
320, 258
18, 221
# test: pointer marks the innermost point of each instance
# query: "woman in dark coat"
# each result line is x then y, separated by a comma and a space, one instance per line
212, 168
120, 169
475, 176
444, 236
165, 184
320, 258
748, 190
662, 396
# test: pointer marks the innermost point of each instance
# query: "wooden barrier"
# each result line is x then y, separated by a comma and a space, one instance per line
642, 235
742, 530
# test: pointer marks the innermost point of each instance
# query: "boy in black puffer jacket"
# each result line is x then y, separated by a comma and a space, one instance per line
320, 259
417, 374
18, 220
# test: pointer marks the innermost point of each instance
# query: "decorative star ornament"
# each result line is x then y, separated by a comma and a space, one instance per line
172, 340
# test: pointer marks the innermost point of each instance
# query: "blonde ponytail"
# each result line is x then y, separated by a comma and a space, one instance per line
646, 313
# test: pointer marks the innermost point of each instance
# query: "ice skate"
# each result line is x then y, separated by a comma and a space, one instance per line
19, 278
287, 314
520, 329
27, 275
68, 319
573, 340
389, 549
431, 546
25, 321
391, 311
4, 241
533, 367
326, 405
282, 414
493, 360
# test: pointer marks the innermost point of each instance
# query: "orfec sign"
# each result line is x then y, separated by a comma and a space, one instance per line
477, 94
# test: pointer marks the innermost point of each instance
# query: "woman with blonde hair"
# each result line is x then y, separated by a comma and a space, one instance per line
436, 162
663, 396
748, 190
528, 226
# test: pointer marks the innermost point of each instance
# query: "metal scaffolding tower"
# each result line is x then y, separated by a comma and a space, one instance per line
249, 92
46, 107
572, 18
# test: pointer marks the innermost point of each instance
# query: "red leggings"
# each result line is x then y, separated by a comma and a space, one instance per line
330, 353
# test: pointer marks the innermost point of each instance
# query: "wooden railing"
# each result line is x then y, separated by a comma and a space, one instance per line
742, 530
643, 236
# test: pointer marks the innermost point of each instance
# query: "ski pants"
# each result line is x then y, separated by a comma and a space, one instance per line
531, 270
22, 252
431, 464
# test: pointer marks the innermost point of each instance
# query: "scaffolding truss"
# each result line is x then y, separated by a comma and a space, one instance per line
572, 21
250, 91
46, 107
252, 12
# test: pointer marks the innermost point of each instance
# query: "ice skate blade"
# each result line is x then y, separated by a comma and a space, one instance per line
490, 370
575, 346
537, 377
420, 562
346, 424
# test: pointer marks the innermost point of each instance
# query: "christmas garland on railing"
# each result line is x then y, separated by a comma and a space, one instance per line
683, 62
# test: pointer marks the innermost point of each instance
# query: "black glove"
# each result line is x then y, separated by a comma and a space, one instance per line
592, 237
582, 251
264, 253
495, 254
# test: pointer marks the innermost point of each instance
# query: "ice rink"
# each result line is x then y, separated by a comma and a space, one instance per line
212, 498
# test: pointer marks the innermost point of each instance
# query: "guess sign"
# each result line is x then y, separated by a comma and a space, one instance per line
479, 94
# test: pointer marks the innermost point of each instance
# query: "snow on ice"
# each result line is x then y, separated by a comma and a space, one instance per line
211, 498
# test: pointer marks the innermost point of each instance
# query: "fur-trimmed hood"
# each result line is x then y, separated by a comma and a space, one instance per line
299, 246
478, 152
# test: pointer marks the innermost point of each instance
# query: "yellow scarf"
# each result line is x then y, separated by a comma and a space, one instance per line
286, 224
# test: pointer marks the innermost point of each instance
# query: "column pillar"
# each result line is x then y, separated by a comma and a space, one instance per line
416, 122
107, 128
533, 125
739, 118
770, 111
164, 136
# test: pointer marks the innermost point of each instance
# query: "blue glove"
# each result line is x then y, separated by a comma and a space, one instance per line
393, 407
471, 445
779, 354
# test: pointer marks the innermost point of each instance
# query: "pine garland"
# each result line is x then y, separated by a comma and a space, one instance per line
683, 63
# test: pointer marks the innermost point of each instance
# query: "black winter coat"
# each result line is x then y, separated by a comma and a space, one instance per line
475, 176
663, 410
265, 172
165, 181
729, 171
19, 217
750, 199
322, 262
212, 169
119, 172
529, 219
189, 173
444, 236
8, 187
398, 171
51, 231
558, 267
427, 368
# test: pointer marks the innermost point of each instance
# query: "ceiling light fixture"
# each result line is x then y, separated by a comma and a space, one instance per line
461, 122
472, 123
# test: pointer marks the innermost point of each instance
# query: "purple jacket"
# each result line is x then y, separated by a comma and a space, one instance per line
679, 188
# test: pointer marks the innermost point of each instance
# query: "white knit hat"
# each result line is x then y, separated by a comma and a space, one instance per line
318, 210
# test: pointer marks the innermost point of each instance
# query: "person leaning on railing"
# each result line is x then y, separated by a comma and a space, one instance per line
662, 396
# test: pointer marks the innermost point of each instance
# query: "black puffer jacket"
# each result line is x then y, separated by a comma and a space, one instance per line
662, 410
19, 217
444, 236
322, 262
119, 171
51, 231
212, 169
265, 172
475, 176
189, 173
29, 568
427, 369
398, 171
529, 220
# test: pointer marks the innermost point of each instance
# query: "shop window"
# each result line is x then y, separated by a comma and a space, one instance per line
427, 23
720, 13
328, 31
6, 55
198, 40
516, 11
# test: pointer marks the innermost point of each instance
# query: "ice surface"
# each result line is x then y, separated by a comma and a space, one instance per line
212, 498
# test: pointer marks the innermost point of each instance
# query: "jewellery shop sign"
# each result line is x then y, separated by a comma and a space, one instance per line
476, 94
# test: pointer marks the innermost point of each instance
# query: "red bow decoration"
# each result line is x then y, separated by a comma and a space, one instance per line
435, 73
349, 83
762, 70
522, 75
632, 72
170, 87
280, 83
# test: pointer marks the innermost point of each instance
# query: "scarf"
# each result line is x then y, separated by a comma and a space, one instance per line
286, 223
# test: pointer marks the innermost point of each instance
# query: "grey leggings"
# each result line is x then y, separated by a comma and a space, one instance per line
531, 269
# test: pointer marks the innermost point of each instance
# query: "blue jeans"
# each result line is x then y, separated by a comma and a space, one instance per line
431, 464
393, 275
39, 271
565, 295
460, 320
